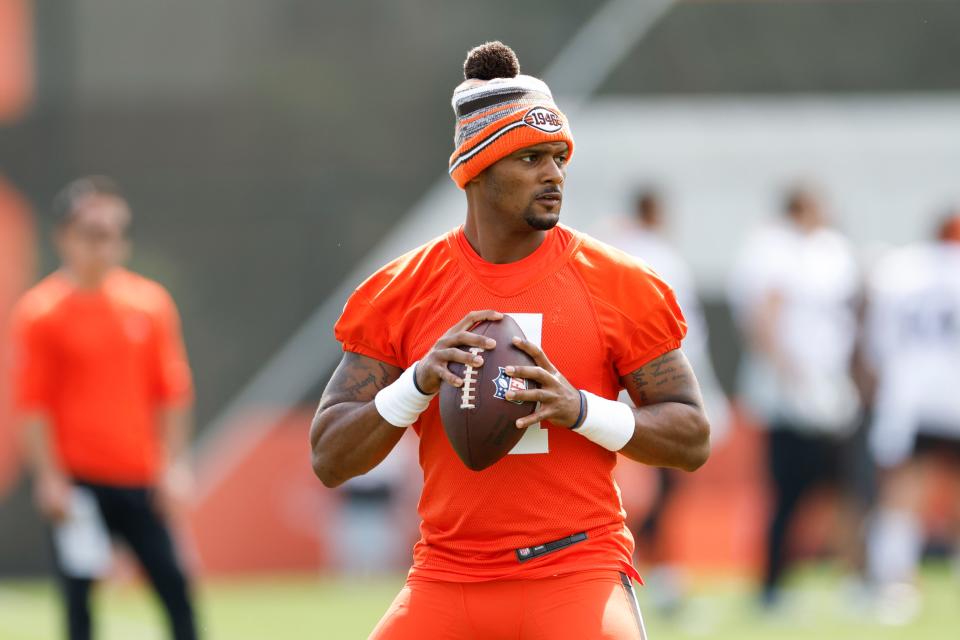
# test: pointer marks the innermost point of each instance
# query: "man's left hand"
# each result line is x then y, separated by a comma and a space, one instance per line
173, 491
559, 400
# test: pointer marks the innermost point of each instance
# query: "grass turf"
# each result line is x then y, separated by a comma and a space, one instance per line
327, 609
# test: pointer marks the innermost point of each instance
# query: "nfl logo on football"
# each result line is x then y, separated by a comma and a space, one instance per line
504, 383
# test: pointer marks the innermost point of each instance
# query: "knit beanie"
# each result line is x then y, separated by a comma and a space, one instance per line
500, 111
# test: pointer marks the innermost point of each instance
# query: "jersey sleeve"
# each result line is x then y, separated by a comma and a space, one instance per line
363, 329
636, 310
33, 365
651, 325
174, 382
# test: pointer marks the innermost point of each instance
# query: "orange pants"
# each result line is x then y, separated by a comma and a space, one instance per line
587, 605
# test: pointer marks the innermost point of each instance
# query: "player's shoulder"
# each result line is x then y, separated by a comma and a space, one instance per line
600, 261
416, 270
616, 279
42, 300
139, 291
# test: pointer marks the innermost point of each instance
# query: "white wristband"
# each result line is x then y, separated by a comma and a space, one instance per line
401, 403
608, 423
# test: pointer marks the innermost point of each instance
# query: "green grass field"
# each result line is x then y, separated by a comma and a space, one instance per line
324, 609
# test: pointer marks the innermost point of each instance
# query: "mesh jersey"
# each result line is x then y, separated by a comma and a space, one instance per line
602, 315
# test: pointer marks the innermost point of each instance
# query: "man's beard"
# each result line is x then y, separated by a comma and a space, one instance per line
542, 221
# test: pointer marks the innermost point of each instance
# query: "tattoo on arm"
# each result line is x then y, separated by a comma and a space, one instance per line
639, 382
358, 379
668, 378
662, 369
378, 380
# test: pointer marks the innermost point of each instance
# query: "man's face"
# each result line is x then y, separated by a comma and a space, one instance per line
94, 239
807, 212
650, 214
527, 185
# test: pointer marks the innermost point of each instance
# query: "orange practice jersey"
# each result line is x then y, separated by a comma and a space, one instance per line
99, 364
601, 315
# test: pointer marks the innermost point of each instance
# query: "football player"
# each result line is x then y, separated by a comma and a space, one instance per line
913, 339
793, 292
534, 546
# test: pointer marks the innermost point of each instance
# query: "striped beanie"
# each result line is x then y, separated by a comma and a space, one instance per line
500, 111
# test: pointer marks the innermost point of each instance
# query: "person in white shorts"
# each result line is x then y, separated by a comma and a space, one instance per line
913, 343
793, 293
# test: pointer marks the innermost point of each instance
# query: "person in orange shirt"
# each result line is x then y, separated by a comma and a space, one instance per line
535, 546
103, 386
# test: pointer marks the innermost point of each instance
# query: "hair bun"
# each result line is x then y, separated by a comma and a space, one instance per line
491, 60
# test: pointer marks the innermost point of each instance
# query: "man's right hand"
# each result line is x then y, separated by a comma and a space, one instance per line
432, 369
51, 494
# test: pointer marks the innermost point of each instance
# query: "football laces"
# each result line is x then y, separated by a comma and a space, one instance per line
468, 392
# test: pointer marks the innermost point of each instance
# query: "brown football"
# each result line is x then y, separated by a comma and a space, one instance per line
480, 422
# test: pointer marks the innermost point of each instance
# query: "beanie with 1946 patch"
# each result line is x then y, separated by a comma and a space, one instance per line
500, 111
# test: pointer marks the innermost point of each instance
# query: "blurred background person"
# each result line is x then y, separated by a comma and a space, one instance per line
373, 529
645, 235
104, 389
913, 343
793, 293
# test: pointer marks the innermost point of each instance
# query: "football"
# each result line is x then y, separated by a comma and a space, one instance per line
479, 420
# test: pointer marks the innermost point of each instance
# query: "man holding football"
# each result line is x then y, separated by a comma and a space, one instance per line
534, 546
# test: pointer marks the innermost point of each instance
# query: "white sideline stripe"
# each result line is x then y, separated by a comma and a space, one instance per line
574, 75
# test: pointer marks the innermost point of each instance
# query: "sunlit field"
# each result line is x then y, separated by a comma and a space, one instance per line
307, 607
